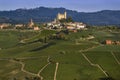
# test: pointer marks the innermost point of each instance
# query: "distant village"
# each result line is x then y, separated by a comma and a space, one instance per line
56, 24
53, 25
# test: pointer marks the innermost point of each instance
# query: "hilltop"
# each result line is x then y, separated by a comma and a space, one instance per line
44, 14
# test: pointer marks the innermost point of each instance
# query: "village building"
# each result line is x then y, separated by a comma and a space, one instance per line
80, 25
19, 25
31, 24
108, 42
117, 42
75, 25
4, 25
70, 27
36, 28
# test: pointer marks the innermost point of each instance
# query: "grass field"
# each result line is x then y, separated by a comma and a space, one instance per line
23, 55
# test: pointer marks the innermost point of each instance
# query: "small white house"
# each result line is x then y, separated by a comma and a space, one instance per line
36, 28
70, 27
19, 25
80, 26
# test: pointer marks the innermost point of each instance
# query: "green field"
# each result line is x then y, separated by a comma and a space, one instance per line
25, 55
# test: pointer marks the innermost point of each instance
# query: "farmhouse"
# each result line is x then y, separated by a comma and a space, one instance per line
110, 42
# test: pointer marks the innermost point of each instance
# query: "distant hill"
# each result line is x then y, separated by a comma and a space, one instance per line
43, 14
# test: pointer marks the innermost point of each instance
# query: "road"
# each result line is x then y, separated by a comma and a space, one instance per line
56, 69
23, 65
115, 58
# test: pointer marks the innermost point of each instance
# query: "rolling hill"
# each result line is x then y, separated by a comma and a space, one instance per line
71, 58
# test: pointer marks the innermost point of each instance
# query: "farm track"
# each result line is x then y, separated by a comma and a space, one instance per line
90, 48
115, 58
56, 69
95, 65
23, 58
39, 73
92, 64
23, 65
22, 68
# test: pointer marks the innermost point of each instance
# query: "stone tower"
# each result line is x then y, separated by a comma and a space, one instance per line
65, 14
62, 16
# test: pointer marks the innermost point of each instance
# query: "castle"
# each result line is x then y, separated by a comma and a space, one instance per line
62, 16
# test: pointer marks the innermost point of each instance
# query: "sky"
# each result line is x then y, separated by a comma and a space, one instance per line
78, 5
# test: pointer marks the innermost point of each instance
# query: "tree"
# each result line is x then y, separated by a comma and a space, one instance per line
69, 19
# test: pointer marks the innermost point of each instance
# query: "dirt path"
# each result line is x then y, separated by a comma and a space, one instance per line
56, 69
92, 64
28, 72
23, 65
39, 73
90, 48
87, 59
95, 65
22, 58
22, 68
115, 58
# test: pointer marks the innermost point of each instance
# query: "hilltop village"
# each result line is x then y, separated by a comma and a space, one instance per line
60, 22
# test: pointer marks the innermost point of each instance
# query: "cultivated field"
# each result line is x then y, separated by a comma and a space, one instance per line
53, 55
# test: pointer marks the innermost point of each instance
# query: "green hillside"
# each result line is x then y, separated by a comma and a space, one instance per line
50, 55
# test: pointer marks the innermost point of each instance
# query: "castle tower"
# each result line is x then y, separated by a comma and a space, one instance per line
62, 16
65, 15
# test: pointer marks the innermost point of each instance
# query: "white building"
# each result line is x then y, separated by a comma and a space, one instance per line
4, 25
36, 28
19, 25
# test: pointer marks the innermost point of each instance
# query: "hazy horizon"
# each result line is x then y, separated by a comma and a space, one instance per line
78, 5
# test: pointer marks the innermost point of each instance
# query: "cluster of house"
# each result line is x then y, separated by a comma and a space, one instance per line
110, 42
75, 25
51, 25
4, 25
30, 25
70, 26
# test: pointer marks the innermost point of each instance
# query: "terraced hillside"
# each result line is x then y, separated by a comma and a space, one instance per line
53, 55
